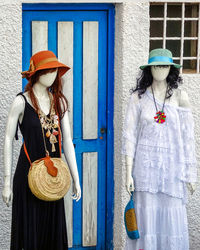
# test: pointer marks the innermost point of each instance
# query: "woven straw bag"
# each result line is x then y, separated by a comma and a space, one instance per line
49, 178
45, 186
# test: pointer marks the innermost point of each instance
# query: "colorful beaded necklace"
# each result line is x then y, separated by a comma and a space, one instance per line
160, 115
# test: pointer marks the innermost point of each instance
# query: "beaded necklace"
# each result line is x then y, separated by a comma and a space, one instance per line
160, 115
49, 123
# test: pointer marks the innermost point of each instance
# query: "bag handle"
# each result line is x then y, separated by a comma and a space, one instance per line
131, 195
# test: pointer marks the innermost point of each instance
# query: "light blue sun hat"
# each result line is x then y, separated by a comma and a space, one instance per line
160, 57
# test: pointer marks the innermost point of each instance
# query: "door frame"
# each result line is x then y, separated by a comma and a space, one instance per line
110, 8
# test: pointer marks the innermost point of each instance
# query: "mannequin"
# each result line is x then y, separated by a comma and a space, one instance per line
38, 224
16, 112
159, 149
159, 83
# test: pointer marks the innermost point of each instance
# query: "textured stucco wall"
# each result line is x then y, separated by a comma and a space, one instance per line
131, 50
10, 64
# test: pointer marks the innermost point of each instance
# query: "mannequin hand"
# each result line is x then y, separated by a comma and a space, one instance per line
76, 191
129, 184
191, 187
7, 195
129, 179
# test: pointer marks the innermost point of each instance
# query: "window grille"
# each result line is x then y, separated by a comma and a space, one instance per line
176, 26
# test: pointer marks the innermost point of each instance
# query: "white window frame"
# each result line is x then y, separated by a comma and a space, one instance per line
182, 38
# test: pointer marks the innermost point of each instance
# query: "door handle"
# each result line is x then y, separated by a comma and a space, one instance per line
102, 130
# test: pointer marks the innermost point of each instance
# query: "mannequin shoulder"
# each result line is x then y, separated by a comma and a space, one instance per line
18, 105
183, 99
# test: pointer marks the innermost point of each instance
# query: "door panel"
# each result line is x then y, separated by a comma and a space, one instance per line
79, 38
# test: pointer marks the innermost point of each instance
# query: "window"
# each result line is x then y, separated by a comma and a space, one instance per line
176, 26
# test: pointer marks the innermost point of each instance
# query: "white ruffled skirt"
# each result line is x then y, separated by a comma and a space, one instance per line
162, 223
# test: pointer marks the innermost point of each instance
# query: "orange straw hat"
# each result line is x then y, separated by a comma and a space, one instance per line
44, 59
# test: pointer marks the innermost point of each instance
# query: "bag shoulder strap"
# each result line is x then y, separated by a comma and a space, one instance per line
26, 152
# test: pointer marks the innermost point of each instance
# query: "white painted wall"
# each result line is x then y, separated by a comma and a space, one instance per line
131, 50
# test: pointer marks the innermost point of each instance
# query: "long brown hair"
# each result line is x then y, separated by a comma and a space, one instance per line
55, 89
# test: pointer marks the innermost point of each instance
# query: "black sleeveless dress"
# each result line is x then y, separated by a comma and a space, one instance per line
36, 224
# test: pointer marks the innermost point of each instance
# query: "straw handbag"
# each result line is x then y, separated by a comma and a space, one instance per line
49, 178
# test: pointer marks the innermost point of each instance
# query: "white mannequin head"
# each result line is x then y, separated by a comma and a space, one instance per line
47, 79
160, 72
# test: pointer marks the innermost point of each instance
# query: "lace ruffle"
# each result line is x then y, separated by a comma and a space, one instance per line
188, 162
161, 242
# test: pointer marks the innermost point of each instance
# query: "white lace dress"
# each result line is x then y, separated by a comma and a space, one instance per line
164, 160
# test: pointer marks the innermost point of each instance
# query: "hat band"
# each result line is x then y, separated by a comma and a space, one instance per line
160, 59
50, 59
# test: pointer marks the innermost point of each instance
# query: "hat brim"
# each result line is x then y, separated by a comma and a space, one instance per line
161, 63
50, 65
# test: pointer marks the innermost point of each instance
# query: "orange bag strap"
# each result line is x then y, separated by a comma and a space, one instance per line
59, 141
26, 152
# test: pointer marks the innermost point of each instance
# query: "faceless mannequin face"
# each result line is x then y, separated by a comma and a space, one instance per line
160, 72
48, 79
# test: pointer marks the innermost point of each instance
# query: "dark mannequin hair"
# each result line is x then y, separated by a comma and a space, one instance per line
146, 79
55, 89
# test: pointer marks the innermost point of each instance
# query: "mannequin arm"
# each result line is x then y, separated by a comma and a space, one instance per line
129, 138
69, 153
16, 109
184, 102
129, 162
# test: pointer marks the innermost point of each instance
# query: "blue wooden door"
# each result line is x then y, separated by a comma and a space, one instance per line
81, 36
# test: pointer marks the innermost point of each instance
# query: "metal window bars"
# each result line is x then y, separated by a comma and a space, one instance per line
182, 38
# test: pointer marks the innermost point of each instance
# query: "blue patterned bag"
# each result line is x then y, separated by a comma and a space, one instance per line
130, 220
